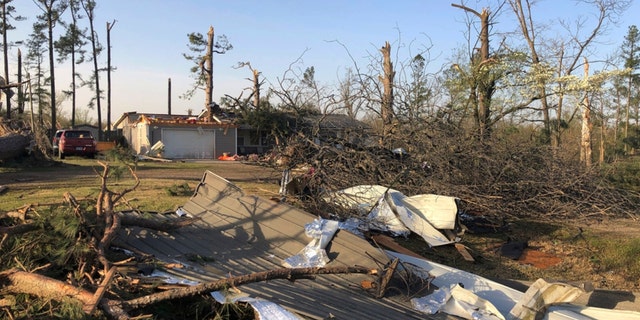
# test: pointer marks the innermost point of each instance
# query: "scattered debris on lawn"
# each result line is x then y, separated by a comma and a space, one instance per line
252, 234
226, 157
233, 246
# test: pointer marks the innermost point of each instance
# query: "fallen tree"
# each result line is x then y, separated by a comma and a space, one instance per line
13, 145
89, 272
14, 281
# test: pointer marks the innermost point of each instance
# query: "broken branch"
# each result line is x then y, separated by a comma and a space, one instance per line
283, 273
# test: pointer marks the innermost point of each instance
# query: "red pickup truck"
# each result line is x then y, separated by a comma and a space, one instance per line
76, 142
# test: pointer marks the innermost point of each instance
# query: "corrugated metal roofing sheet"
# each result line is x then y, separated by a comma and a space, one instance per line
245, 234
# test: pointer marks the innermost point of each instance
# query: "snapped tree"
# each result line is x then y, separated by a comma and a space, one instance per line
70, 46
8, 14
52, 10
201, 55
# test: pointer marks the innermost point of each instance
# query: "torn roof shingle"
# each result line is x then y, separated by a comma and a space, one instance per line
242, 234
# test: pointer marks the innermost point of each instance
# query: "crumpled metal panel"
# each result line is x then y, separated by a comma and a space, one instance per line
240, 234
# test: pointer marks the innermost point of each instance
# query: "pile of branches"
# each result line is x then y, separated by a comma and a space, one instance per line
501, 177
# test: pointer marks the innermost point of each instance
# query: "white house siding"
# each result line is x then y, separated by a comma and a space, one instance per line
188, 143
140, 138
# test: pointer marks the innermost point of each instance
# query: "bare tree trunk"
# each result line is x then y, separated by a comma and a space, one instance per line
52, 77
585, 141
5, 51
89, 10
602, 136
525, 21
41, 286
51, 289
386, 109
256, 89
169, 96
486, 87
206, 65
20, 91
557, 125
628, 111
484, 84
256, 84
109, 27
73, 87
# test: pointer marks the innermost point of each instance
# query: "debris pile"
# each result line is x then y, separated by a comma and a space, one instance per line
496, 180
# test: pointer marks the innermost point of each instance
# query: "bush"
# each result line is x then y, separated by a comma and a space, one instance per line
180, 190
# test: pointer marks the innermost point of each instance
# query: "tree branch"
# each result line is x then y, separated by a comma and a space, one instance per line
283, 273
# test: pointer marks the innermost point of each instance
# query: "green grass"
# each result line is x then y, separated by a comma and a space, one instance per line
151, 195
619, 255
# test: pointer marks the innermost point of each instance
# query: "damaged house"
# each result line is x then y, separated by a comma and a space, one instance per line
194, 137
186, 137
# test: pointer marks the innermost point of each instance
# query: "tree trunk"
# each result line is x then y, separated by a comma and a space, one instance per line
256, 89
15, 281
73, 87
585, 141
109, 27
41, 286
529, 35
89, 10
602, 137
486, 85
20, 91
5, 50
483, 82
52, 77
386, 109
207, 68
556, 128
18, 229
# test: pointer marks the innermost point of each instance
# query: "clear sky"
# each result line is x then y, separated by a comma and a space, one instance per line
150, 36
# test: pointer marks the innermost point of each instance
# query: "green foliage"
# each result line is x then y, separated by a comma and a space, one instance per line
631, 49
121, 155
57, 241
618, 255
197, 53
180, 190
275, 122
28, 307
624, 174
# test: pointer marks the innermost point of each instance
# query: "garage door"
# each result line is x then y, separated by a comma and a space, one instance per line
188, 143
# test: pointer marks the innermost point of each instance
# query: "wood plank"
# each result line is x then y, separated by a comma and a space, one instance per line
462, 249
97, 296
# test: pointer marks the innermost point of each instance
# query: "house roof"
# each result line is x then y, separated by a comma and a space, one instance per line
169, 119
243, 234
335, 122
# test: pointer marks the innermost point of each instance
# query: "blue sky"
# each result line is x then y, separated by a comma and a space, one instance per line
149, 37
